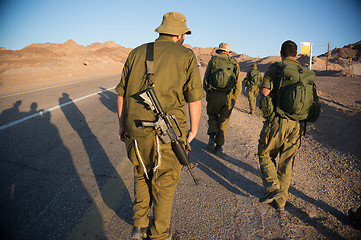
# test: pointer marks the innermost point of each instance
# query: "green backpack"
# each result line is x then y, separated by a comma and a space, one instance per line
223, 77
254, 76
296, 96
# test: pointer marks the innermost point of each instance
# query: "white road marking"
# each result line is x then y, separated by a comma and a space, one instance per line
40, 113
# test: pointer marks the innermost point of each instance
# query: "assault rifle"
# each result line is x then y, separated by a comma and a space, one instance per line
165, 129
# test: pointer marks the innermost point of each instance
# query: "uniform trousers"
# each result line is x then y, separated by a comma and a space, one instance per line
278, 137
252, 97
156, 188
219, 109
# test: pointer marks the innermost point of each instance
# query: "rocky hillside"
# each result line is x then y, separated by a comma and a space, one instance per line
351, 51
43, 62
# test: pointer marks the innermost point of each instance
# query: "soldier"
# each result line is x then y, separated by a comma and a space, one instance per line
176, 81
281, 133
222, 84
252, 82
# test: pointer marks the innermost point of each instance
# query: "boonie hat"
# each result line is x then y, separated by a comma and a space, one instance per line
223, 47
173, 24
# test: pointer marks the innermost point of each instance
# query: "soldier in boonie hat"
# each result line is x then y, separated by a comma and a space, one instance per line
223, 85
223, 47
170, 69
173, 24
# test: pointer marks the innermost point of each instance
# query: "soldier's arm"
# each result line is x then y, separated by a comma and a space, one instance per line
264, 91
120, 89
260, 78
195, 109
238, 86
267, 83
246, 81
206, 75
121, 117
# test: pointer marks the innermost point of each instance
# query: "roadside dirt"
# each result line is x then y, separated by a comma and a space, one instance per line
326, 180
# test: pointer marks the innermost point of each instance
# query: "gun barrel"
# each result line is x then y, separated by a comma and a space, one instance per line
183, 157
194, 179
180, 153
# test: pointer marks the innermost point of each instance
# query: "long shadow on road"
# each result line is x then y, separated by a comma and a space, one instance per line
41, 194
230, 179
233, 181
102, 168
108, 99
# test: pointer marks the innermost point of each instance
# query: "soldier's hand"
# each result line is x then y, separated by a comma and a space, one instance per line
190, 136
122, 134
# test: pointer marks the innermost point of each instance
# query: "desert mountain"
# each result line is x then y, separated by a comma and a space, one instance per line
57, 62
51, 61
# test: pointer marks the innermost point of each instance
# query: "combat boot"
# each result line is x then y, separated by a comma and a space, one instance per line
211, 141
270, 196
139, 233
218, 149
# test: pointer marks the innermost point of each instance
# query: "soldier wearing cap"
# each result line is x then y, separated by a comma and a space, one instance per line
176, 81
223, 85
252, 81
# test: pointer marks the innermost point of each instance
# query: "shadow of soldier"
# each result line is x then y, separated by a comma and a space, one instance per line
230, 179
213, 167
108, 99
37, 177
11, 114
103, 170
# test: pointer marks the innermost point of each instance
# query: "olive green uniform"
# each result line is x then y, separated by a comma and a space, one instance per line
253, 87
156, 169
279, 136
220, 104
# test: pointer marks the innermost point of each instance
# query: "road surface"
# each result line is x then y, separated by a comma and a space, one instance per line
65, 175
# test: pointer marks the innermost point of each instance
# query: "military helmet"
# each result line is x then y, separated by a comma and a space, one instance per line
254, 65
173, 24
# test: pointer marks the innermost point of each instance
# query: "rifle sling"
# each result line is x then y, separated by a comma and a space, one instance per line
149, 59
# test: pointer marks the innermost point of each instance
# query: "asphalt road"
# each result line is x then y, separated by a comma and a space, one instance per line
65, 175
63, 172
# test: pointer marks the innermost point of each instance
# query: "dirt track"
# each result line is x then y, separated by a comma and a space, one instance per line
327, 171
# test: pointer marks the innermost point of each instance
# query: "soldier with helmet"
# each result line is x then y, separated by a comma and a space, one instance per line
176, 81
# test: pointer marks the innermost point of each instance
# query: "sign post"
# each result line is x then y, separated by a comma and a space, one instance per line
306, 49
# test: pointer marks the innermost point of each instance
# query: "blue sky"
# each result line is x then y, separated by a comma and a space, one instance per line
256, 27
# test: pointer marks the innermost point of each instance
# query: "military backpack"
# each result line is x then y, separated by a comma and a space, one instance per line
254, 77
223, 74
295, 96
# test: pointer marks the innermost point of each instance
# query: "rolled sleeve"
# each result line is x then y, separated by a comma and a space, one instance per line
268, 79
193, 89
120, 88
194, 95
